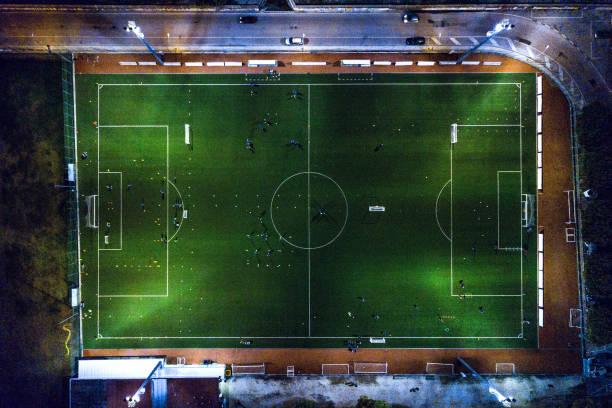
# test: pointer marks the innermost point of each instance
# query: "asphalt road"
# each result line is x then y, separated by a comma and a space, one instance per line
560, 43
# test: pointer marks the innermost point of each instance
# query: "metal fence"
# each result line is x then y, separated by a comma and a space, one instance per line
72, 201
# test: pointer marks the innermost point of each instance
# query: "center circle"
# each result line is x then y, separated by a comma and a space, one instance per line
309, 210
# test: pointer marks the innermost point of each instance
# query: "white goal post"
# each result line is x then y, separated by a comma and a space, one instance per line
440, 368
454, 133
239, 369
505, 368
92, 216
575, 319
331, 369
369, 368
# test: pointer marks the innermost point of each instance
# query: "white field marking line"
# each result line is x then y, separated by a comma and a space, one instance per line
309, 337
489, 296
437, 199
521, 224
498, 230
76, 184
503, 125
182, 219
308, 204
167, 210
335, 84
98, 238
167, 253
274, 84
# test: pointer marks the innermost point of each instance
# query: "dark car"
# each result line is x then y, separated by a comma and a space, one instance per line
415, 41
410, 17
603, 35
247, 20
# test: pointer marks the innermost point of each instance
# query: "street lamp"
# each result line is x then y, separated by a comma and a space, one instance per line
503, 25
140, 35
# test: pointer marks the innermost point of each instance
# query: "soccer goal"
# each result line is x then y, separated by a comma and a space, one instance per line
335, 369
370, 368
248, 369
528, 210
440, 369
575, 319
92, 217
454, 133
505, 368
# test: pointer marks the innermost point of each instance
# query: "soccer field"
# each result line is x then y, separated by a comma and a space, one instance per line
348, 212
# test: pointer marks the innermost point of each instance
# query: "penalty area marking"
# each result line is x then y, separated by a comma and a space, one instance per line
99, 336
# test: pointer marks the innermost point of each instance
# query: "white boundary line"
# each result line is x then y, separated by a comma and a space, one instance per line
520, 223
335, 84
316, 337
308, 204
300, 337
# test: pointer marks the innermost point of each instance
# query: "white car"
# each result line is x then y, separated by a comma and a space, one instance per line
294, 41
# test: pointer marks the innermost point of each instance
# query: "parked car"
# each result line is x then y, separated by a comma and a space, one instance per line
294, 41
415, 41
410, 17
247, 20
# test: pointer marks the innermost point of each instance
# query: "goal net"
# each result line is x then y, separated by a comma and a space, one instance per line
575, 318
505, 368
528, 210
331, 369
92, 217
248, 369
440, 368
369, 368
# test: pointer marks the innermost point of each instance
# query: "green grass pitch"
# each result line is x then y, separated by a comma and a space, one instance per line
278, 245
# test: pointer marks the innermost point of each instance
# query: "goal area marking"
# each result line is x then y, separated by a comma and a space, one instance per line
440, 368
505, 368
370, 368
335, 369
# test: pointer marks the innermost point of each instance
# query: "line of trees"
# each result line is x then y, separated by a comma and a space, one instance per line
595, 136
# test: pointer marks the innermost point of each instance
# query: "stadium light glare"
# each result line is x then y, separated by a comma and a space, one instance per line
499, 27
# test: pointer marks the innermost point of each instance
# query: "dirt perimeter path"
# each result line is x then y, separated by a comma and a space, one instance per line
559, 351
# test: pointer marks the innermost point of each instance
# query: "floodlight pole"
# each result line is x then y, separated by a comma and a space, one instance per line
140, 35
58, 54
504, 25
498, 395
134, 398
